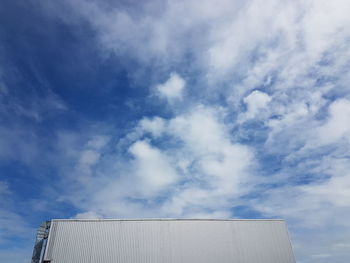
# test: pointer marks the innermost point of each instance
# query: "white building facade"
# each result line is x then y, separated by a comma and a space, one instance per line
166, 241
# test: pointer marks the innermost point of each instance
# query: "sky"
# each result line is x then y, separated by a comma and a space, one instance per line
176, 109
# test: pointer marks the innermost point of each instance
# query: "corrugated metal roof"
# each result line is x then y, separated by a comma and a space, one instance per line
169, 241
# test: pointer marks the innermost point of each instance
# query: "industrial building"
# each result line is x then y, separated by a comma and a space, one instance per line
163, 241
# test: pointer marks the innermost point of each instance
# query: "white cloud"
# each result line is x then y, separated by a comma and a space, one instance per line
98, 142
206, 138
341, 245
321, 256
199, 176
88, 158
172, 88
152, 168
256, 102
87, 215
335, 190
155, 126
200, 129
337, 125
325, 204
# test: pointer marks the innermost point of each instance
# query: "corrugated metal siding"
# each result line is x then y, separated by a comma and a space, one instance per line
169, 241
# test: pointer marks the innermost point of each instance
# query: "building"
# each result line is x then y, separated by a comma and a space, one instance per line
163, 241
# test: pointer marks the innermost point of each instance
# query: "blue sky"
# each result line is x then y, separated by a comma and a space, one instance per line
225, 109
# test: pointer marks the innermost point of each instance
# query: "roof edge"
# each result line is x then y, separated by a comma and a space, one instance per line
165, 219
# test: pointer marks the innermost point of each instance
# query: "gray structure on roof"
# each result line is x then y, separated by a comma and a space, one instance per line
168, 241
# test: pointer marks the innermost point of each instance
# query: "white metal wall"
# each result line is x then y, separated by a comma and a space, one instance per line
169, 241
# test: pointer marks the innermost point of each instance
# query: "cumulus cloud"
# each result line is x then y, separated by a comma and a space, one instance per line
155, 126
152, 168
256, 102
198, 176
218, 167
172, 88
